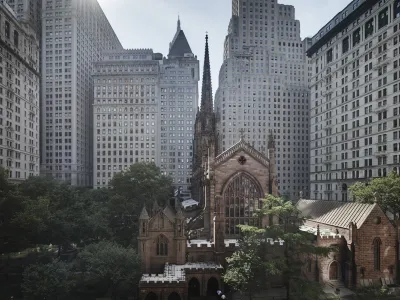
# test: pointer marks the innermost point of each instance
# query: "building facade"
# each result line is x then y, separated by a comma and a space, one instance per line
30, 11
19, 96
263, 87
355, 98
179, 80
126, 112
73, 35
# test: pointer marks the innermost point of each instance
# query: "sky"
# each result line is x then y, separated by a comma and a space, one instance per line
152, 23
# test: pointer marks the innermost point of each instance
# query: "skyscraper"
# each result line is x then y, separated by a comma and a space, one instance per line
178, 105
355, 96
263, 87
126, 107
19, 96
74, 32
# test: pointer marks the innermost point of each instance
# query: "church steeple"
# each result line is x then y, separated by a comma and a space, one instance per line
206, 91
179, 25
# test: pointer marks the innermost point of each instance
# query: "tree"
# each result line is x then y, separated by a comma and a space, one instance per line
246, 267
144, 183
141, 185
288, 263
47, 281
111, 263
386, 192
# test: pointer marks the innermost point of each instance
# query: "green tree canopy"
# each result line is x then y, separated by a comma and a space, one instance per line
47, 281
383, 190
256, 259
111, 263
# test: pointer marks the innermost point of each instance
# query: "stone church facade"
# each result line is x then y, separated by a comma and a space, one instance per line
183, 256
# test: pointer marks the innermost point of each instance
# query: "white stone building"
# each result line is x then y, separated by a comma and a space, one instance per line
355, 105
263, 86
19, 96
74, 32
126, 112
179, 80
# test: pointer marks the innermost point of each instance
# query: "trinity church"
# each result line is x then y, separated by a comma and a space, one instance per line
183, 254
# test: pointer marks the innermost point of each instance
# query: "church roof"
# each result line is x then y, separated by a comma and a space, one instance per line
169, 213
179, 46
242, 146
334, 213
144, 215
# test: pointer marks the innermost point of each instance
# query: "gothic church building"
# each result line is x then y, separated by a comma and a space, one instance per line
183, 255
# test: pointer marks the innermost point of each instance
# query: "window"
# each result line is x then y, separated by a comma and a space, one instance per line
356, 37
345, 45
377, 254
16, 38
369, 28
241, 198
329, 56
162, 246
383, 18
7, 29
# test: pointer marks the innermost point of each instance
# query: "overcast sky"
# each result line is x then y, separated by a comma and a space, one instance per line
152, 23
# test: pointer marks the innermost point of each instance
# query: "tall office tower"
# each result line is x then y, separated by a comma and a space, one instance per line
263, 87
126, 126
355, 90
30, 11
74, 34
19, 96
178, 106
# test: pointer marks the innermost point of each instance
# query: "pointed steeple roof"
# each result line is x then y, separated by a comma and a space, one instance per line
206, 90
179, 45
144, 215
156, 207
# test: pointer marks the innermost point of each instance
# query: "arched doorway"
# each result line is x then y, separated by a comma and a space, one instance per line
151, 296
334, 271
174, 296
212, 286
194, 288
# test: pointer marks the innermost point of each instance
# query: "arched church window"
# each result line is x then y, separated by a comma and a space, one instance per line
162, 246
377, 254
241, 199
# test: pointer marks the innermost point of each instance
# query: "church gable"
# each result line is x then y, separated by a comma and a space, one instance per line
161, 222
246, 150
242, 162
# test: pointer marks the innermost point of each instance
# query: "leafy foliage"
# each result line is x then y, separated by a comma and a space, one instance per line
111, 263
384, 190
47, 281
43, 211
248, 270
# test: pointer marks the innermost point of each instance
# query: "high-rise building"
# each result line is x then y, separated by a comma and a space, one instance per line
126, 107
19, 96
263, 87
73, 35
178, 105
30, 11
355, 90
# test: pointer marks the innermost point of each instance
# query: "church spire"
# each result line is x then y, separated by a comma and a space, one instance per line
206, 91
179, 25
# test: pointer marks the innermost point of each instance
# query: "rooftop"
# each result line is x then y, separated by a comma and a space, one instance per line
177, 273
334, 213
